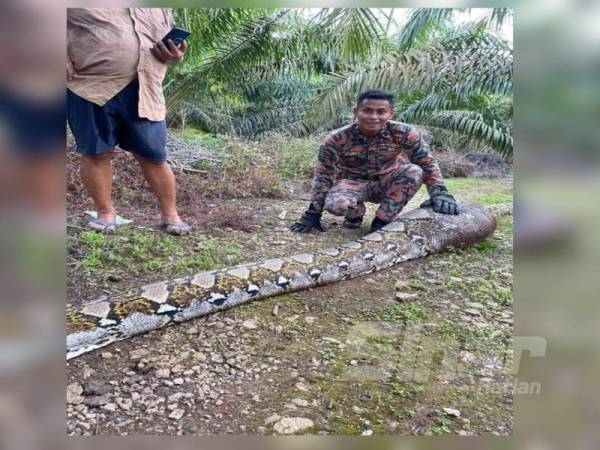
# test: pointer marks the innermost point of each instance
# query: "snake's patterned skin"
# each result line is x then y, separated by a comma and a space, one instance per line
415, 234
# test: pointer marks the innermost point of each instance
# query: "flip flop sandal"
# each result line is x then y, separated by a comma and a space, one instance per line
103, 227
176, 228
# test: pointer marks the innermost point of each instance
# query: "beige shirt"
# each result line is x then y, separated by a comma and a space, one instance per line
109, 48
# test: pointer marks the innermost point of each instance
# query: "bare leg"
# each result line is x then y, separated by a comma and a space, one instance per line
161, 179
96, 174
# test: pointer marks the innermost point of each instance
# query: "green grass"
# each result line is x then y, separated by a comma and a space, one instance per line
141, 252
494, 198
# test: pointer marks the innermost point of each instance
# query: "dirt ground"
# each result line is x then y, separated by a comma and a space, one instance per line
423, 348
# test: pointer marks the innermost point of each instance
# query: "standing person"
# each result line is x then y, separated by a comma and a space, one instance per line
116, 63
376, 160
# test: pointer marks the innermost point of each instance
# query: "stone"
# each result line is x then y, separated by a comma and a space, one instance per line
74, 392
138, 353
452, 412
163, 373
217, 358
275, 310
174, 398
301, 387
367, 433
251, 324
300, 402
291, 425
177, 414
124, 403
111, 407
404, 296
272, 419
474, 305
96, 387
106, 355
178, 381
96, 401
191, 428
310, 320
400, 284
87, 372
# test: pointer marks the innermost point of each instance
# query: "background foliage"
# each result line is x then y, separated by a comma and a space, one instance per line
253, 72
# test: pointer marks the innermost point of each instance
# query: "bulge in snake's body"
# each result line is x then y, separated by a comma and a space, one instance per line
413, 235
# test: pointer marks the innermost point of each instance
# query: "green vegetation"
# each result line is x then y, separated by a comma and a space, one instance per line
252, 72
143, 252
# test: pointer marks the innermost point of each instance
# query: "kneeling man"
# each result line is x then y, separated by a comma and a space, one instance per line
377, 160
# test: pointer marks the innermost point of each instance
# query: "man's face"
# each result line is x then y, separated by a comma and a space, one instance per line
372, 115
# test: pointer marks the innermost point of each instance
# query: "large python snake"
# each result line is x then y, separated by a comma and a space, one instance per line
414, 234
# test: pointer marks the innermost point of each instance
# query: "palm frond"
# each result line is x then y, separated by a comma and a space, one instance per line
421, 21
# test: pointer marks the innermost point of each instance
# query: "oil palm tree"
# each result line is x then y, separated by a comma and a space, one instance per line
252, 71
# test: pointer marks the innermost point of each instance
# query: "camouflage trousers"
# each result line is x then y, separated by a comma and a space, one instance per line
392, 191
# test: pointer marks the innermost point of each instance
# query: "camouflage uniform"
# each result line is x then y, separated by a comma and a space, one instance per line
387, 169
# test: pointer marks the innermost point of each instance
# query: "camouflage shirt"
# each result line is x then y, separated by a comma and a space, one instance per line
348, 154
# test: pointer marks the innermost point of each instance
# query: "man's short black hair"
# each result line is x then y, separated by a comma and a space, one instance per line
375, 94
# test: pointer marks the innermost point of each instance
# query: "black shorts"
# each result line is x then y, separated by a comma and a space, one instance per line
100, 128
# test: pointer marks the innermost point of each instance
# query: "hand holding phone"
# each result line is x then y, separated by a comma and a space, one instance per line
177, 35
171, 49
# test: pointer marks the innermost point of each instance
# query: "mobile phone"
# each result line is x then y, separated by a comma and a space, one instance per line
177, 35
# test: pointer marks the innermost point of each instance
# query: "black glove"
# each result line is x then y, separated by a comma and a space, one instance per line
442, 203
377, 224
309, 220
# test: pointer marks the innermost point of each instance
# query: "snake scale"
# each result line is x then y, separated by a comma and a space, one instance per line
414, 234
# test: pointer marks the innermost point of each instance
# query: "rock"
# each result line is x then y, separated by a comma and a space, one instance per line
163, 373
301, 387
275, 310
291, 425
177, 414
400, 284
282, 215
124, 403
219, 402
292, 318
138, 353
452, 412
251, 324
191, 428
106, 355
173, 398
404, 296
96, 401
310, 320
300, 402
96, 387
114, 278
178, 381
367, 433
191, 331
474, 305
87, 372
74, 396
473, 312
111, 407
272, 419
217, 358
